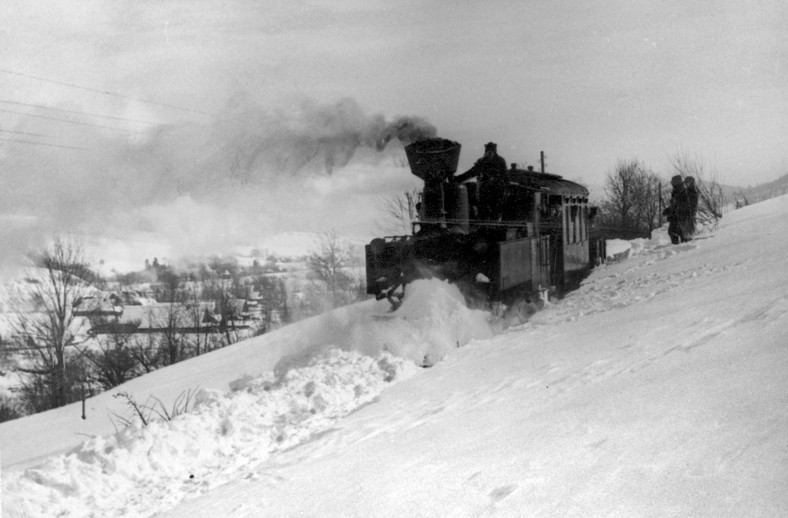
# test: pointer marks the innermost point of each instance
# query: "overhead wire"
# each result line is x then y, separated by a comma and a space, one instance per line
65, 120
104, 92
24, 133
33, 143
78, 112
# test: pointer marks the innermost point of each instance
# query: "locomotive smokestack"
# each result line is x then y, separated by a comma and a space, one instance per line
433, 159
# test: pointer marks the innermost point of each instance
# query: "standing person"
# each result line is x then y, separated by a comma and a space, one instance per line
679, 213
692, 196
491, 170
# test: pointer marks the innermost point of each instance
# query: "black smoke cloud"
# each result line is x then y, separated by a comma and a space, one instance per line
245, 147
312, 137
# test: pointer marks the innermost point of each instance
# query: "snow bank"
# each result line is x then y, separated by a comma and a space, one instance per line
329, 366
659, 237
432, 320
143, 470
617, 248
622, 249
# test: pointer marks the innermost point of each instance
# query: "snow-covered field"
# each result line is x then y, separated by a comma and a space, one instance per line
658, 388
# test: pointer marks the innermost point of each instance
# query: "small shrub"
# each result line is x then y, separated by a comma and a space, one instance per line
8, 409
153, 409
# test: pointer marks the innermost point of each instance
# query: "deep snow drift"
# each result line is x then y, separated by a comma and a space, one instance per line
222, 438
656, 389
285, 387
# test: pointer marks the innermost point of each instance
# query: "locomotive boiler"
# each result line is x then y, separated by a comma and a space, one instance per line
502, 234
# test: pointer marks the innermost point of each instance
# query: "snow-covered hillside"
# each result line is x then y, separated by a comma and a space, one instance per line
656, 389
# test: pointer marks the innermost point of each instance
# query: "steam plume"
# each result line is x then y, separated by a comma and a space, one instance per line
244, 149
313, 136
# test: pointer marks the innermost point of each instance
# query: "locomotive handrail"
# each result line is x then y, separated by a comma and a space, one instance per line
486, 223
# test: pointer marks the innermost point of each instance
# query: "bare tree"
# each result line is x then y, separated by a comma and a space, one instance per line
273, 296
171, 340
47, 326
711, 199
172, 318
112, 362
169, 285
146, 352
632, 204
227, 306
201, 331
8, 409
328, 266
399, 212
228, 315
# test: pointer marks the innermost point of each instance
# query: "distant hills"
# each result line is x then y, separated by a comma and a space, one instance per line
755, 193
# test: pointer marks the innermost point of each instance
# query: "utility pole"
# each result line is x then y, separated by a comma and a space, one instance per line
83, 401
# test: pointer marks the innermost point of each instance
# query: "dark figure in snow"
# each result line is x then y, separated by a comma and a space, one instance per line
679, 213
692, 195
491, 170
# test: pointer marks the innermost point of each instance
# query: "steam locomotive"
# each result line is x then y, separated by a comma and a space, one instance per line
502, 234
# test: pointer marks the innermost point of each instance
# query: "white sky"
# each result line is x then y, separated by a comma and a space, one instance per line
588, 83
